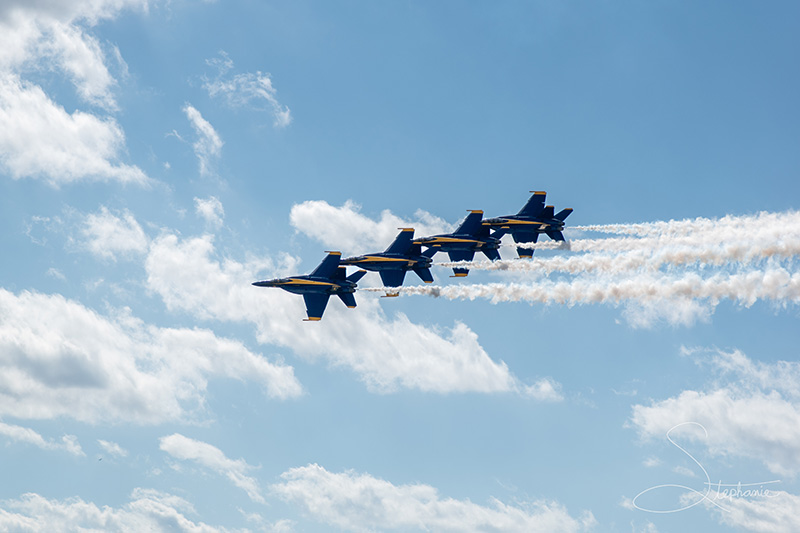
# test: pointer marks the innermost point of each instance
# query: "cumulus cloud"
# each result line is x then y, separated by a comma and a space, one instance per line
147, 510
345, 228
58, 358
107, 235
776, 512
210, 210
38, 137
251, 89
214, 459
208, 146
69, 443
386, 353
361, 502
756, 414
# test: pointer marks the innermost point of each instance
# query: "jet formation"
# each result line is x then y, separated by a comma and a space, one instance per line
405, 254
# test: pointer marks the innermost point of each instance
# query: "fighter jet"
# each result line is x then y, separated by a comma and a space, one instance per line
534, 218
400, 257
461, 245
327, 279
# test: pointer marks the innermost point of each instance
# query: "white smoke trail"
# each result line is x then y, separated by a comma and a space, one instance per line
741, 240
700, 224
775, 284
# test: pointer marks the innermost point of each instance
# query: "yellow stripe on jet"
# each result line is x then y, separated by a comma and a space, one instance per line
307, 282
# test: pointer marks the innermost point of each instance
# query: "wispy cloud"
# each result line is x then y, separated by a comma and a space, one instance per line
754, 413
214, 459
112, 448
107, 235
361, 502
69, 443
251, 89
210, 210
208, 145
147, 510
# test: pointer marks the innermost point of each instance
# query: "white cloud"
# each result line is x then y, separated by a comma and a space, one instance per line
210, 210
249, 89
112, 448
213, 458
208, 146
544, 389
755, 415
361, 502
345, 228
107, 235
386, 353
58, 358
148, 510
38, 137
776, 512
69, 443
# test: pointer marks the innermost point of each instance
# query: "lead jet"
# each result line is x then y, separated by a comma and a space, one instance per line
400, 257
327, 279
461, 245
534, 218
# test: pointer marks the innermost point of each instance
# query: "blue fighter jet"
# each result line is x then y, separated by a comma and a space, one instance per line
461, 245
534, 218
327, 279
400, 257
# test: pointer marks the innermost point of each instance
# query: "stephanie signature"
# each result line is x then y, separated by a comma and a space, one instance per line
713, 491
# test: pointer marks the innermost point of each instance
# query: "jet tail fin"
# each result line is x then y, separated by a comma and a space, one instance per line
471, 224
430, 252
548, 211
563, 214
533, 207
402, 242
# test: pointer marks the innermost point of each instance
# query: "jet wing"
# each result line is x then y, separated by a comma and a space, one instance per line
315, 305
392, 278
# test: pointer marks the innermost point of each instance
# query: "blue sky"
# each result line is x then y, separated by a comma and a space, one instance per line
157, 157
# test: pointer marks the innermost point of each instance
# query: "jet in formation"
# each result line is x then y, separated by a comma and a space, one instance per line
473, 235
328, 279
461, 245
402, 255
534, 218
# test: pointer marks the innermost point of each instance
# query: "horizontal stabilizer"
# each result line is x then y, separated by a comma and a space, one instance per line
555, 235
355, 276
392, 278
402, 242
315, 305
563, 214
424, 274
348, 298
492, 254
